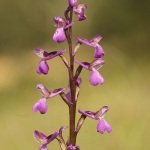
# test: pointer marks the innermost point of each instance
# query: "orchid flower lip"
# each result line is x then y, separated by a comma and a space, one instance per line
40, 106
43, 67
59, 35
103, 126
96, 78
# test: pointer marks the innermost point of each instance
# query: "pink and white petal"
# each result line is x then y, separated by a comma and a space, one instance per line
96, 78
40, 137
96, 39
107, 127
43, 90
40, 106
97, 63
59, 35
101, 113
103, 126
41, 53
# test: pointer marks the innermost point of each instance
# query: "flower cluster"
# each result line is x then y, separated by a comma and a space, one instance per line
64, 31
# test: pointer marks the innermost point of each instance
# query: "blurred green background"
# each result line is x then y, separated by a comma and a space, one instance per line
125, 28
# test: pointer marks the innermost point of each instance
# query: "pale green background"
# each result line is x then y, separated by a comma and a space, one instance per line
125, 27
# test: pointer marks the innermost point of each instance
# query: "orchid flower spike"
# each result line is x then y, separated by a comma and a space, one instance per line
43, 67
102, 125
93, 43
95, 78
41, 104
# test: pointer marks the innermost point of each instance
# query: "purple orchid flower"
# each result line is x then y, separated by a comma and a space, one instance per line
102, 125
93, 43
41, 105
79, 10
43, 67
70, 147
45, 140
61, 24
95, 78
72, 3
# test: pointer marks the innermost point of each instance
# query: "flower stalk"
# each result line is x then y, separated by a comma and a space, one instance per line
72, 107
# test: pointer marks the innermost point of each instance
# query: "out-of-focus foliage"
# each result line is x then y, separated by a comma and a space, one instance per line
124, 26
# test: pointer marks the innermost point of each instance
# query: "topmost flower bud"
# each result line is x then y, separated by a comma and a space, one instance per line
72, 3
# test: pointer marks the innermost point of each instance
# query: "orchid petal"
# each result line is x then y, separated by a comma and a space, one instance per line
41, 106
43, 68
96, 78
56, 92
103, 126
59, 35
87, 113
83, 64
98, 51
